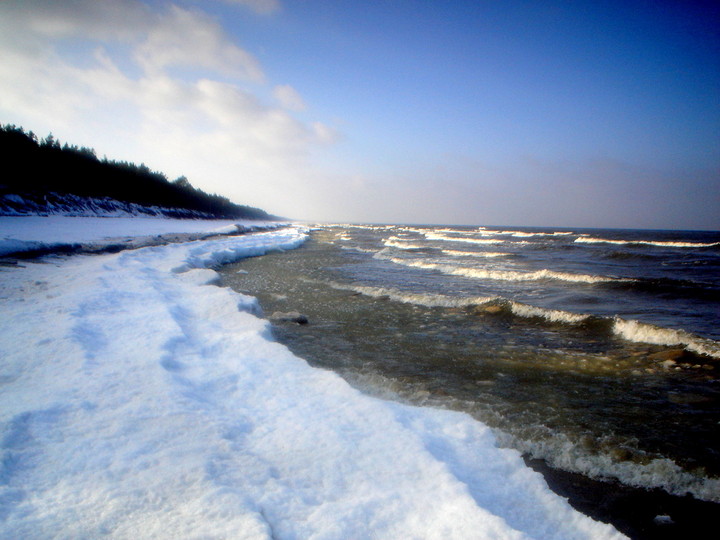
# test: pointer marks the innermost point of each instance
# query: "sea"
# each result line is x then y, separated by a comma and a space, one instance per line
596, 351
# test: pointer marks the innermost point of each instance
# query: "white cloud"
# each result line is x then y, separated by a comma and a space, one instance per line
262, 7
192, 39
289, 98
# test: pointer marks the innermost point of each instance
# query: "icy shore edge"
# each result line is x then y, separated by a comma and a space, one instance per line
139, 400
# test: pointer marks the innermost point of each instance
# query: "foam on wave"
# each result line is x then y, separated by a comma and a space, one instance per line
443, 237
630, 330
418, 299
400, 243
653, 472
649, 333
482, 254
591, 240
440, 300
503, 275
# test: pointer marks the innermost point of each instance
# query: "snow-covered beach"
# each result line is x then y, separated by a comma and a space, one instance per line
139, 400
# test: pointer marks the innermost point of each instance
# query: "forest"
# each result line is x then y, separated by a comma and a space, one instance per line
45, 170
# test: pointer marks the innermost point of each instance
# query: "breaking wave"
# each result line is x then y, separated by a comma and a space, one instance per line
419, 299
591, 240
446, 238
482, 254
632, 330
522, 234
400, 243
503, 275
491, 304
645, 471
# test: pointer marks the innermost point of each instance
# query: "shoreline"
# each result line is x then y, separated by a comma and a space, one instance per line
636, 512
154, 397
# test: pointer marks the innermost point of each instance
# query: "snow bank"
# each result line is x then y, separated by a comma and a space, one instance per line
27, 233
138, 400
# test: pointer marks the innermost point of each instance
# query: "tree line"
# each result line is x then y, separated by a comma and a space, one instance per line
47, 166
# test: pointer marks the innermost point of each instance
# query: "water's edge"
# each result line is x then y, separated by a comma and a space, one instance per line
637, 512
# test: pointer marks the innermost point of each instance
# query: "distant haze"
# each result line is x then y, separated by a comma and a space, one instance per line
556, 113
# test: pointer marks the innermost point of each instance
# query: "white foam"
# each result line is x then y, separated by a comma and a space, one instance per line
501, 275
418, 299
650, 473
552, 315
521, 234
400, 243
139, 401
479, 254
445, 238
590, 240
649, 333
441, 300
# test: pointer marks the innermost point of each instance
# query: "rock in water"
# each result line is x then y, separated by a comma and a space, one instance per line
291, 316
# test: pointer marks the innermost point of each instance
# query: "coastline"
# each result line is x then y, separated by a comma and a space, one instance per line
167, 399
639, 513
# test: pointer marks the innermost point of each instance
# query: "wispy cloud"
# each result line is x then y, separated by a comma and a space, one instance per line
183, 38
262, 7
289, 98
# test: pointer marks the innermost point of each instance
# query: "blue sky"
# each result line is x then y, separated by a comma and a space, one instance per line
599, 114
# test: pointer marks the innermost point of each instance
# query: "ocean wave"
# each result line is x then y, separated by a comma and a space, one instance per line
443, 237
358, 226
630, 330
552, 315
492, 304
357, 249
481, 254
523, 234
401, 243
450, 231
651, 472
640, 332
502, 275
419, 299
658, 243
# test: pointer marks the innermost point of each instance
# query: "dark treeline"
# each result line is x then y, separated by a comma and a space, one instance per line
43, 166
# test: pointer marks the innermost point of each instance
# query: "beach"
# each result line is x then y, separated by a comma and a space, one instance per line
577, 358
140, 399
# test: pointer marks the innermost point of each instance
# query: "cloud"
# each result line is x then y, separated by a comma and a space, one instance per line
167, 87
98, 19
288, 97
263, 7
185, 38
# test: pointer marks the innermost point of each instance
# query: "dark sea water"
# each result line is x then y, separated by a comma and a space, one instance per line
594, 350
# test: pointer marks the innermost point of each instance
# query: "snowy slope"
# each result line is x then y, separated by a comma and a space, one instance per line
28, 233
138, 400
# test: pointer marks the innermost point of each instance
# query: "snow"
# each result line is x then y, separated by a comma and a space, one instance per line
27, 233
139, 400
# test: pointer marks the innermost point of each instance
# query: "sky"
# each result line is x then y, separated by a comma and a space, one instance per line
553, 113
